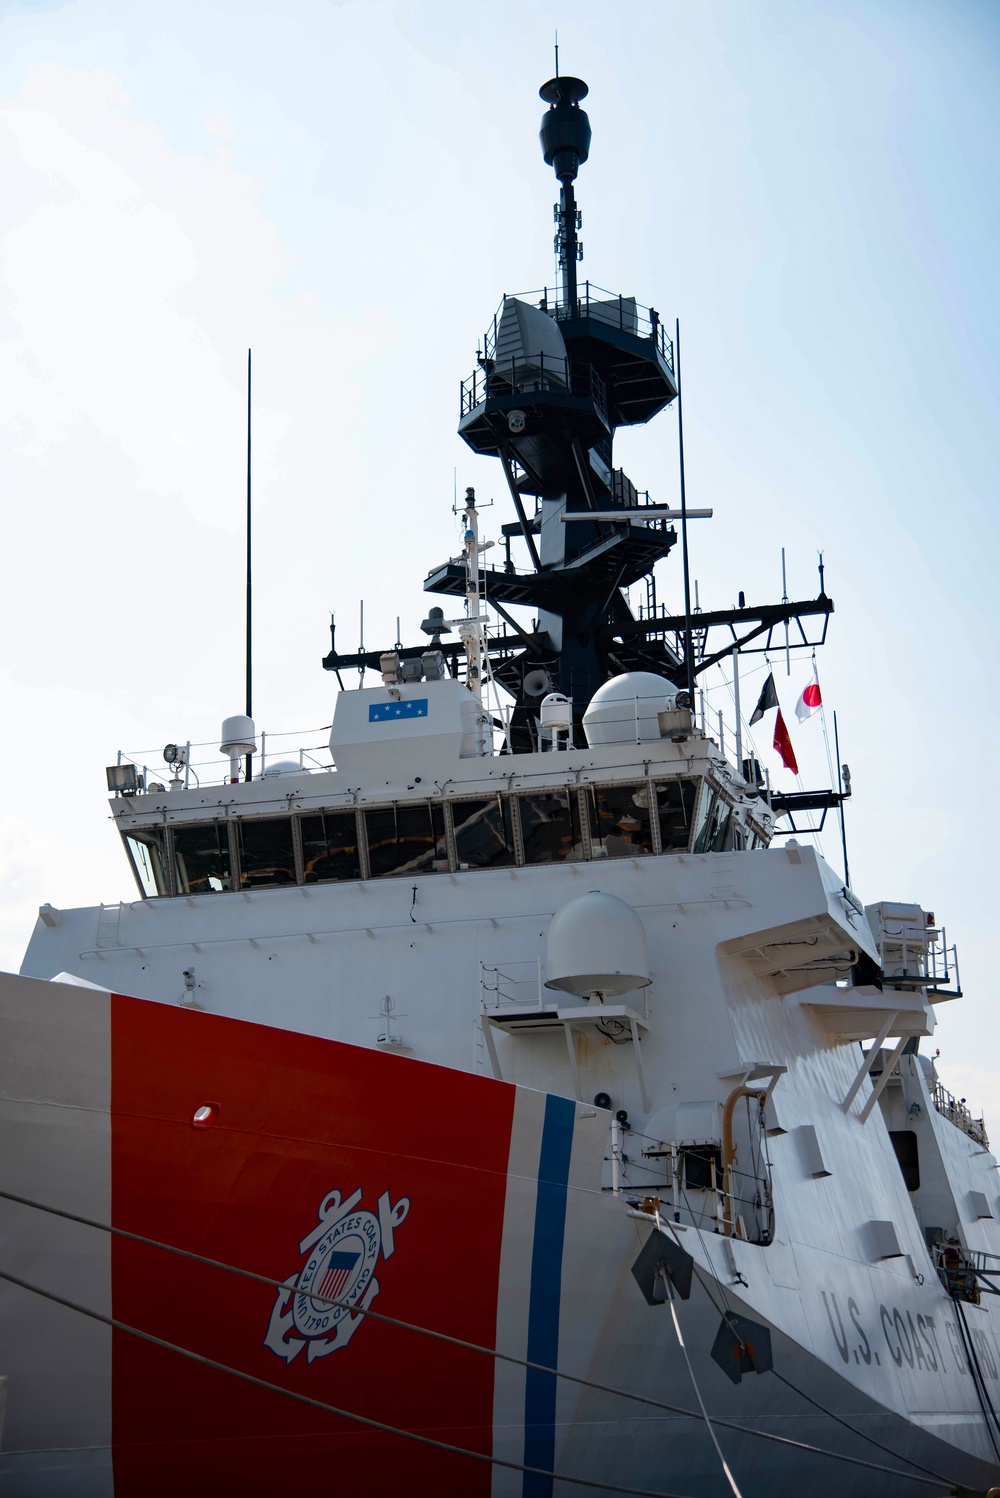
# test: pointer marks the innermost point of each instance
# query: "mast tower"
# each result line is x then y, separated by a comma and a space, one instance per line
557, 377
558, 373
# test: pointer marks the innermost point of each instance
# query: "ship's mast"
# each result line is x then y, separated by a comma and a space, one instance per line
565, 137
557, 375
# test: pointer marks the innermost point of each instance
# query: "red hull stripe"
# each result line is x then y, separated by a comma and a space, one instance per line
305, 1127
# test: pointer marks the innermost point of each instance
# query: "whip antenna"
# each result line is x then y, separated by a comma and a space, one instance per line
249, 770
688, 648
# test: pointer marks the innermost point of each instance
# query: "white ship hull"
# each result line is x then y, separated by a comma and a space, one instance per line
97, 1114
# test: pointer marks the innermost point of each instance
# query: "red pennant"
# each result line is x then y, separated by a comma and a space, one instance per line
783, 745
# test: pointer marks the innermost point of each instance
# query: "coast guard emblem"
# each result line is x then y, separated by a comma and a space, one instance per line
343, 1252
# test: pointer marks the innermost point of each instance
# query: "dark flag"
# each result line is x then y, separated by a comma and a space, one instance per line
782, 742
768, 699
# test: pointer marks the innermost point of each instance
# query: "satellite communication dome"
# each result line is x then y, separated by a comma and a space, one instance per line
238, 735
597, 944
556, 711
282, 767
624, 710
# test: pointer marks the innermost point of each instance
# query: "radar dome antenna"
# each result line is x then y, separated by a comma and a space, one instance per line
565, 138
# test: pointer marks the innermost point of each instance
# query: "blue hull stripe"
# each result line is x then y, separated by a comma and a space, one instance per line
546, 1284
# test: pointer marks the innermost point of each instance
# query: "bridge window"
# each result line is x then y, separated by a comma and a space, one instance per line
266, 852
145, 849
619, 821
330, 846
484, 837
406, 840
675, 801
201, 855
550, 827
715, 813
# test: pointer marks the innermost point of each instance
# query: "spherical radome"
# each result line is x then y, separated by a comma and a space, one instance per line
597, 944
624, 710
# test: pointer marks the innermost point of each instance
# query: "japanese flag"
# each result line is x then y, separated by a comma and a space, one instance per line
810, 700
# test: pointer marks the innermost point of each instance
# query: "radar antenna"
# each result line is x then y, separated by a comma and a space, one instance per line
249, 605
565, 138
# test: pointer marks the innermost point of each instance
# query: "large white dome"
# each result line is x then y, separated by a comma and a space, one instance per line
624, 709
597, 944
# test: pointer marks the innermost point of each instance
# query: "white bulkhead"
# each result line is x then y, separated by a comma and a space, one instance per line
435, 720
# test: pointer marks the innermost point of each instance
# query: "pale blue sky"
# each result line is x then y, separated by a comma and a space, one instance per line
810, 187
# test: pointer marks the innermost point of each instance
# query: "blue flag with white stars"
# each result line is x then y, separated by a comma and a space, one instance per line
388, 712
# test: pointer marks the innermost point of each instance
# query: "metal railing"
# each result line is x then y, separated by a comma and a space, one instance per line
517, 983
956, 1270
204, 763
985, 1263
920, 958
959, 1114
531, 375
610, 307
654, 523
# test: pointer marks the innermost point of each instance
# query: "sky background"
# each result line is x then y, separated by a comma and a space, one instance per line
349, 188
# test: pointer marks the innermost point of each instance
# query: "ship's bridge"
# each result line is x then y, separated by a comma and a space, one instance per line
406, 797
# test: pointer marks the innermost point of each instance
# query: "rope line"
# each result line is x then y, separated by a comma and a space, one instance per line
319, 1404
977, 1374
701, 1403
725, 1312
410, 1326
931, 1474
670, 1409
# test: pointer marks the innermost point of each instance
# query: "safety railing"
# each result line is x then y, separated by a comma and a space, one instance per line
622, 312
918, 957
956, 1270
517, 984
959, 1114
531, 375
194, 764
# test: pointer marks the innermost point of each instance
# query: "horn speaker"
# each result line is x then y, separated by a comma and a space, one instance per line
537, 682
